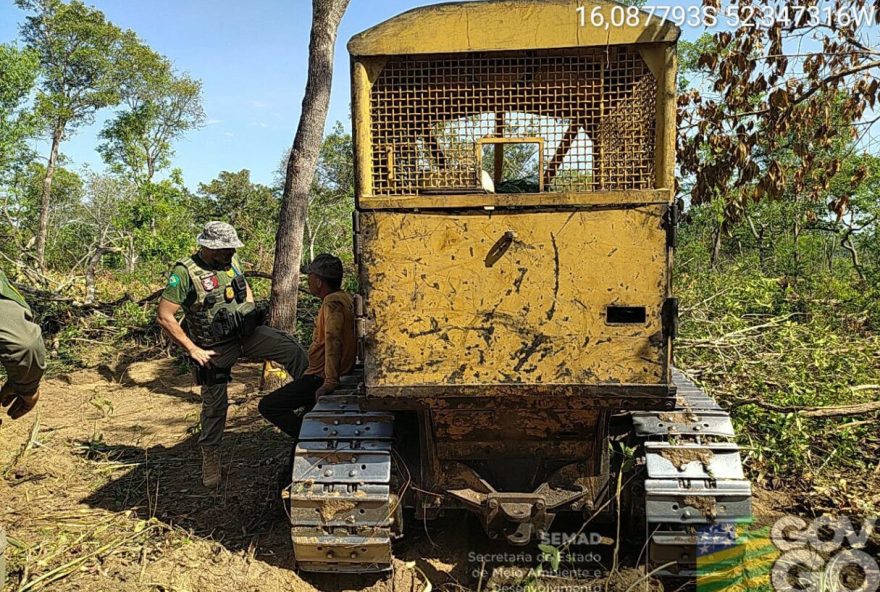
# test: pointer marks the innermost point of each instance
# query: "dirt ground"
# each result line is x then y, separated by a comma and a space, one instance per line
101, 490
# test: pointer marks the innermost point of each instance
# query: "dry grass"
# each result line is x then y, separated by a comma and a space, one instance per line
101, 491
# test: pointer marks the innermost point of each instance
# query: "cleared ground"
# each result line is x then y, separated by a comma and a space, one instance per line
101, 491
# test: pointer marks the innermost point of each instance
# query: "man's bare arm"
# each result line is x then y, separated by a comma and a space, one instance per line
166, 320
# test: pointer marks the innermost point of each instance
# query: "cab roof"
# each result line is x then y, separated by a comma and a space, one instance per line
501, 25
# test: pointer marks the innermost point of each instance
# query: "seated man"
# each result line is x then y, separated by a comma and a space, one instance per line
222, 324
332, 353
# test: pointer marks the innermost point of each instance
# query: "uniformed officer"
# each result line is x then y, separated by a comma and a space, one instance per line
24, 356
221, 324
21, 351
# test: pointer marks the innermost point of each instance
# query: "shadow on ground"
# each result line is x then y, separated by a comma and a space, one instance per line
246, 514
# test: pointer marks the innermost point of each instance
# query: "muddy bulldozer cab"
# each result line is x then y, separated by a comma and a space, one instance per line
513, 238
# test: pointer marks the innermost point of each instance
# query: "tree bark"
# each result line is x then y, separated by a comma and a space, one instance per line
131, 256
91, 269
759, 238
43, 232
717, 236
847, 243
301, 164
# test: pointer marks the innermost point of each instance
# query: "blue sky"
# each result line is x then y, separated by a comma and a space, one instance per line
251, 58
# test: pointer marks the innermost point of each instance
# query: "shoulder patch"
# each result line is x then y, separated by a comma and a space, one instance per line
173, 280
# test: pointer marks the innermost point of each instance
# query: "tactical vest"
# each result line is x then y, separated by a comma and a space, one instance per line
9, 292
220, 300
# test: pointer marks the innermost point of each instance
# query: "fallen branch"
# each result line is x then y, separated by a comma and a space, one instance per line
838, 411
713, 341
842, 411
865, 387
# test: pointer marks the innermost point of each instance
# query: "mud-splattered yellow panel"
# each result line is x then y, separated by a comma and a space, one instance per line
513, 298
511, 24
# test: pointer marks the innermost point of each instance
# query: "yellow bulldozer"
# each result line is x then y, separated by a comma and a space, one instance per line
514, 232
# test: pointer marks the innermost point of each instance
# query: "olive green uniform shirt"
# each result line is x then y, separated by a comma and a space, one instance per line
22, 351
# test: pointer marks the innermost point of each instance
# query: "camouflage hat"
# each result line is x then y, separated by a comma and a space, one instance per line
219, 235
326, 266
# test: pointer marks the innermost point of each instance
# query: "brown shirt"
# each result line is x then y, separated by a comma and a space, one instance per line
334, 348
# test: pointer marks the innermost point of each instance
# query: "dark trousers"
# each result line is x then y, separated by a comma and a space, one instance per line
280, 407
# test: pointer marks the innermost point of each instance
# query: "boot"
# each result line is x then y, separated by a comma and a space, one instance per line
210, 467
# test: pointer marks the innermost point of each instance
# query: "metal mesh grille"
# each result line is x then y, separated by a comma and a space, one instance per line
595, 112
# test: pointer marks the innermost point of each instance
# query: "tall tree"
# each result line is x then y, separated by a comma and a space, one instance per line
326, 16
161, 105
76, 46
21, 213
18, 74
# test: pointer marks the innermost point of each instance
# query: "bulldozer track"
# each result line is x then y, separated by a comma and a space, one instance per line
695, 491
343, 514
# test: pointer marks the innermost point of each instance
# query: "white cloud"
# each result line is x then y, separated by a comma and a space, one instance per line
258, 104
213, 121
228, 134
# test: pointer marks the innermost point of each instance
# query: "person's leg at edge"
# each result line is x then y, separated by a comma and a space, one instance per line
267, 343
284, 408
215, 403
281, 405
213, 421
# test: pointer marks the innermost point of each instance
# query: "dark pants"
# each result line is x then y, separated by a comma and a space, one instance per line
280, 406
265, 343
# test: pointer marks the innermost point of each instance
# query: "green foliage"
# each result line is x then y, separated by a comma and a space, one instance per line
788, 320
331, 202
18, 74
160, 221
76, 46
22, 208
552, 555
132, 315
161, 106
251, 208
689, 53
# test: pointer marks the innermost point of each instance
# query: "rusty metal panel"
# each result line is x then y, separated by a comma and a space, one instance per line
523, 424
514, 298
594, 111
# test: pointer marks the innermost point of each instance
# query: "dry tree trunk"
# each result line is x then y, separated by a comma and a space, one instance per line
301, 164
91, 270
43, 231
717, 236
326, 15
